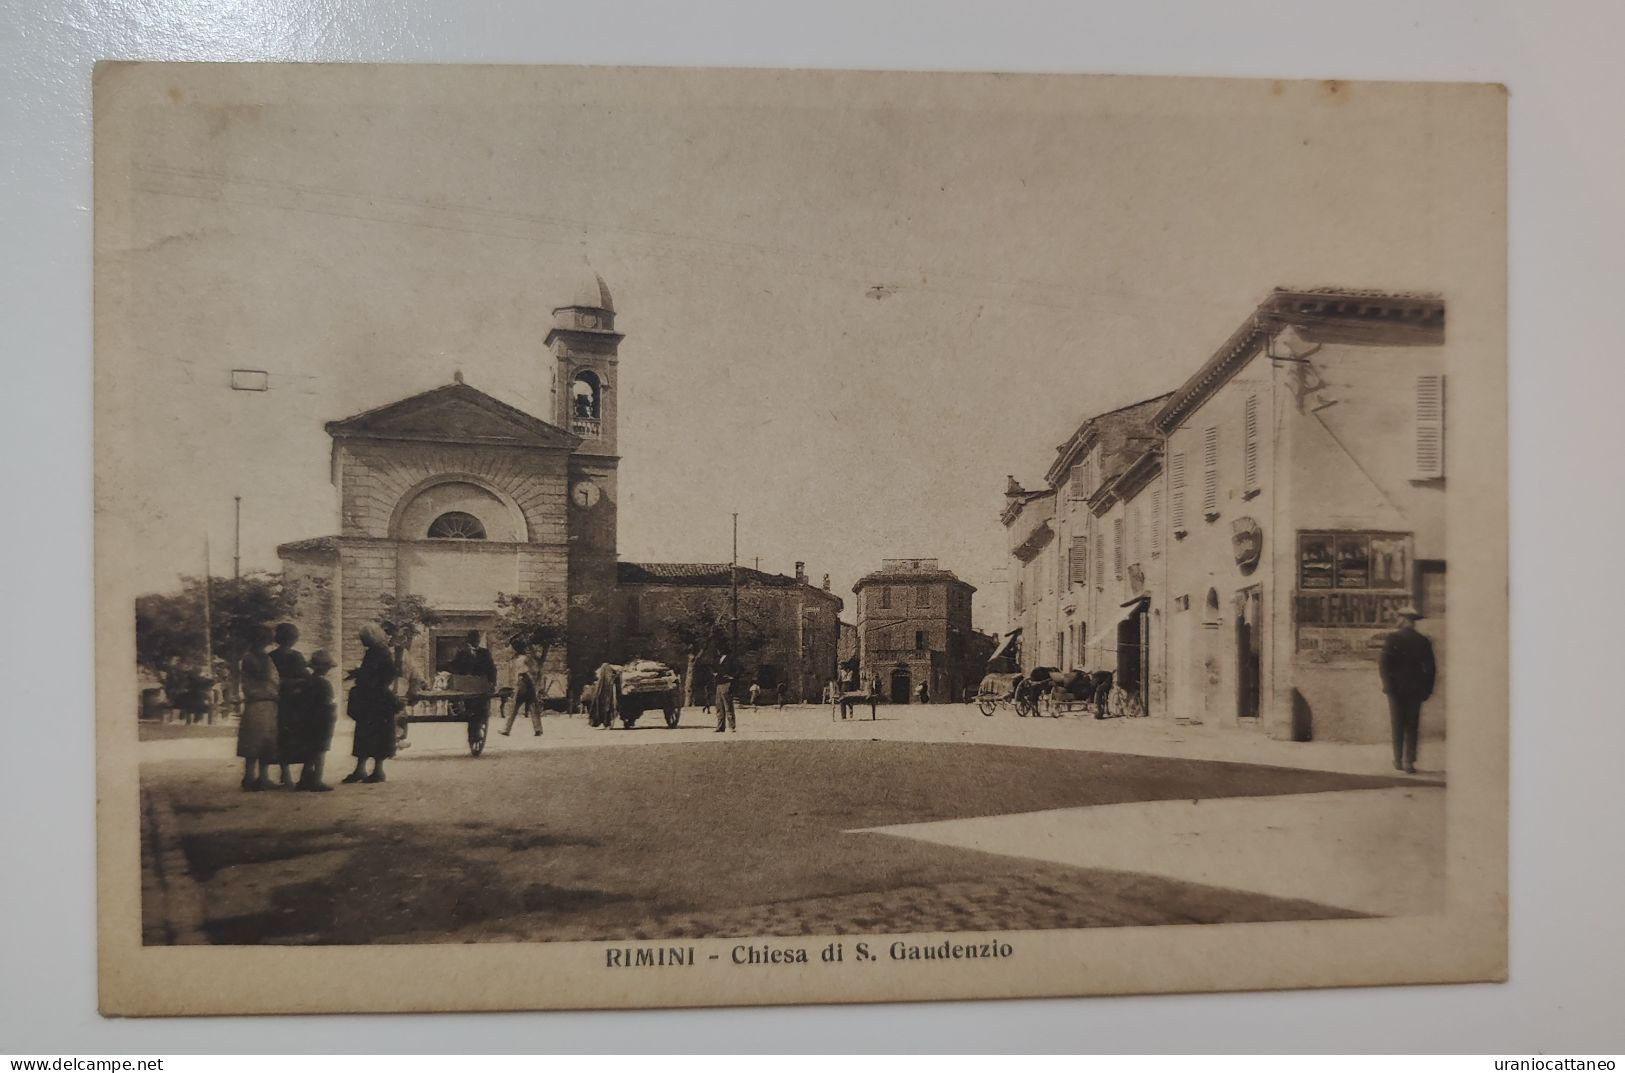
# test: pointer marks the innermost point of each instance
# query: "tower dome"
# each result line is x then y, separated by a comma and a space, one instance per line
591, 292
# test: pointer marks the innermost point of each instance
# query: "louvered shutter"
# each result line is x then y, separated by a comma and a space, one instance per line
1430, 427
1078, 573
1156, 522
1250, 446
1176, 487
1117, 546
1100, 561
1210, 472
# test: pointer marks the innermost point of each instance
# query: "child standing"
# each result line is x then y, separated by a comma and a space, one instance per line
317, 715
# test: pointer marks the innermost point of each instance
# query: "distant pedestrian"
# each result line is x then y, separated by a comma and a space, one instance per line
784, 693
312, 731
292, 673
921, 694
756, 694
373, 704
1408, 673
723, 676
256, 730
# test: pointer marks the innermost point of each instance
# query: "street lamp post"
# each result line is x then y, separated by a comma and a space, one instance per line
733, 587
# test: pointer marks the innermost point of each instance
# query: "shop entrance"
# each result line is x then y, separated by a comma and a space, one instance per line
1249, 664
1134, 655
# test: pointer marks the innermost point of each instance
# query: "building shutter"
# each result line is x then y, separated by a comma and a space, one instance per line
1249, 463
1079, 489
1156, 522
1078, 572
1100, 561
1210, 472
1176, 487
1430, 427
1117, 545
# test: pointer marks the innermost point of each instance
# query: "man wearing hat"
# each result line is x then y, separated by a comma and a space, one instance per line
475, 661
1407, 671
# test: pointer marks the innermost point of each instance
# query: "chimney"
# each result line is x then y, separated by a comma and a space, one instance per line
801, 573
826, 582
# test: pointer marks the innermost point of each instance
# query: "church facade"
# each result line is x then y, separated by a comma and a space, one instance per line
456, 497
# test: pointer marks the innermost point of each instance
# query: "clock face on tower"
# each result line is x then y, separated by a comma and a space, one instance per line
584, 494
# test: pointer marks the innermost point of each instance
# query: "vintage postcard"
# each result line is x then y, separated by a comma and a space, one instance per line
574, 537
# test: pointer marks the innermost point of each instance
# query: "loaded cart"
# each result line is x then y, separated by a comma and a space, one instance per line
466, 699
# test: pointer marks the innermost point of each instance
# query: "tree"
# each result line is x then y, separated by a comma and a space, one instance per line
169, 628
541, 621
702, 628
409, 610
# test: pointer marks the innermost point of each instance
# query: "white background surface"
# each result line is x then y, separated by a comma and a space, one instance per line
1561, 62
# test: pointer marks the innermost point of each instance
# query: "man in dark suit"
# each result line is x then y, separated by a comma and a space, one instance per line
1407, 671
723, 675
475, 660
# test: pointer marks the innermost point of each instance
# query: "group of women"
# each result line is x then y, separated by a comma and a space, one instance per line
289, 713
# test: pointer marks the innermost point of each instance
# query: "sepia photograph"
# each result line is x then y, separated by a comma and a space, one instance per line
611, 537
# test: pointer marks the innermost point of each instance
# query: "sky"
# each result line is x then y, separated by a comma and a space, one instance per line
853, 303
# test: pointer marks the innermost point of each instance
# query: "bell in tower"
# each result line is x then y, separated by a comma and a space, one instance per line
585, 345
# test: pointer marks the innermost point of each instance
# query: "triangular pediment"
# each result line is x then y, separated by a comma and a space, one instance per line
455, 413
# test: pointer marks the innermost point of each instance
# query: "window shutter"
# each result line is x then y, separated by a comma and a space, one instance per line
1156, 522
1080, 476
1176, 486
1117, 545
1430, 427
1100, 561
1079, 566
1210, 472
1250, 449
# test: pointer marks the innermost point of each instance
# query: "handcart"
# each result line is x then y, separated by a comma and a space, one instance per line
467, 700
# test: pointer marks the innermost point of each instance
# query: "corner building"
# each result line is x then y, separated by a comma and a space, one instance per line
914, 626
1236, 550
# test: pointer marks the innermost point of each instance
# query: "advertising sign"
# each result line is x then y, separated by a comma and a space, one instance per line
1351, 586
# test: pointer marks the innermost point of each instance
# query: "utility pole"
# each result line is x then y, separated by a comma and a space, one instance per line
237, 545
733, 587
208, 629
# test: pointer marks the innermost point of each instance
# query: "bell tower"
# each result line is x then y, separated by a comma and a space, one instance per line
585, 345
586, 386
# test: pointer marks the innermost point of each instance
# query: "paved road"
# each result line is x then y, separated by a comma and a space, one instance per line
796, 825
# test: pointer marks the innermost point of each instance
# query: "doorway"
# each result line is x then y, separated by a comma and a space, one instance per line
901, 685
1249, 661
1132, 654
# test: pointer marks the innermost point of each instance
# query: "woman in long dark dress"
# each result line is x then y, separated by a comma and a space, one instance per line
372, 706
257, 729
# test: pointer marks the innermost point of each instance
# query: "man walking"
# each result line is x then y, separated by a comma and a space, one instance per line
1407, 671
723, 676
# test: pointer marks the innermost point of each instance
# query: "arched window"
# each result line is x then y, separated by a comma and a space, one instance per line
1210, 608
456, 525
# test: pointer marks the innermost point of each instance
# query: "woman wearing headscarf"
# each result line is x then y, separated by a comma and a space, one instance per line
373, 705
257, 729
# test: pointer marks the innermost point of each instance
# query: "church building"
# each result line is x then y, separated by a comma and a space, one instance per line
455, 496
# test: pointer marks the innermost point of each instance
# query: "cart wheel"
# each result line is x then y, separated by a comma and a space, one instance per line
1025, 707
987, 705
476, 737
673, 714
